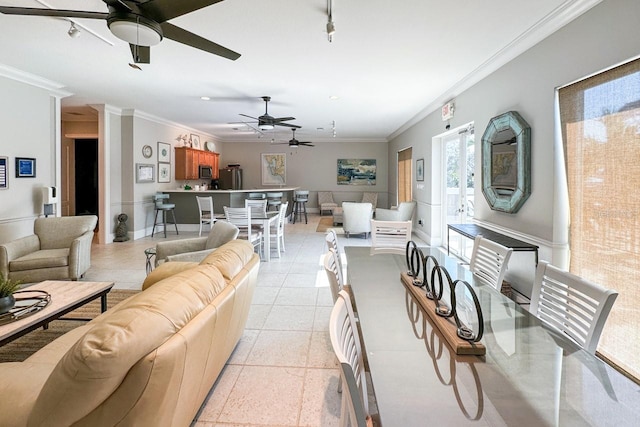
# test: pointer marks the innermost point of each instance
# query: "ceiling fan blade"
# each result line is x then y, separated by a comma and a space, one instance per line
283, 119
141, 54
61, 13
164, 10
185, 37
117, 4
288, 125
308, 144
244, 115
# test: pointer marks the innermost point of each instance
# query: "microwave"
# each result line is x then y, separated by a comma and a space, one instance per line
205, 171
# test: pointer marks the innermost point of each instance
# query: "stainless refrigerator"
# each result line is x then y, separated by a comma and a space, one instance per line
230, 179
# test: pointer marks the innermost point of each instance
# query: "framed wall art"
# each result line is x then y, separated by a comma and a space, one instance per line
25, 167
420, 170
164, 152
4, 174
195, 141
356, 171
164, 172
274, 168
145, 173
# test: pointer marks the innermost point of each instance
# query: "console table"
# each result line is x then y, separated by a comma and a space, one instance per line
472, 230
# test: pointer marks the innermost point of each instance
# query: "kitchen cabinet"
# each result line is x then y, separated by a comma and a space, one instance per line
189, 159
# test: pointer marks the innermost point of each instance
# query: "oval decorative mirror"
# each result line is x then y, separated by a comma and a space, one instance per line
506, 162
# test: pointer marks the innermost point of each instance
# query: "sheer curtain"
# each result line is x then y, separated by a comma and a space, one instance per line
600, 124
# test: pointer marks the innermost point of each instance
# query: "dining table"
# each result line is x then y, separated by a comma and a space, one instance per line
265, 220
529, 374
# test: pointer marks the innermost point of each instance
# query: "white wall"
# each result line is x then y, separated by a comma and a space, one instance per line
27, 116
604, 36
312, 168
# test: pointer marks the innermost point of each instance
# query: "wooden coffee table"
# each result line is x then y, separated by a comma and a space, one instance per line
66, 296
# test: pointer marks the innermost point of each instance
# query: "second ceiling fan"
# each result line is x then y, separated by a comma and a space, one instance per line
294, 143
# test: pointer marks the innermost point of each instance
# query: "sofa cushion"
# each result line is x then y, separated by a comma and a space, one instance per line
41, 259
165, 270
96, 365
230, 257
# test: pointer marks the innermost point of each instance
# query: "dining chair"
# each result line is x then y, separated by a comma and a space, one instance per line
205, 209
570, 304
326, 202
332, 243
161, 206
334, 273
390, 236
258, 207
489, 261
241, 218
277, 229
345, 341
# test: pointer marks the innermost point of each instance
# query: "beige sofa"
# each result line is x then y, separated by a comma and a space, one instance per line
59, 248
149, 361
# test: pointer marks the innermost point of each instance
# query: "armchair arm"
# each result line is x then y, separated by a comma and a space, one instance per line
80, 255
196, 256
175, 247
15, 249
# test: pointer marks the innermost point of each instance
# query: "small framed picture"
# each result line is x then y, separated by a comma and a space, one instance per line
164, 172
420, 170
164, 152
25, 167
145, 172
4, 174
195, 141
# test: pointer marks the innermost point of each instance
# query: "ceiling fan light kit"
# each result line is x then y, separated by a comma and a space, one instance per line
136, 30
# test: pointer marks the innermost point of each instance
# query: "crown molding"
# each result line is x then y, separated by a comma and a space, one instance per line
150, 117
549, 24
54, 88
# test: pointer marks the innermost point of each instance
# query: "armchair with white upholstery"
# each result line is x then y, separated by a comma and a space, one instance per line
356, 218
59, 249
196, 249
402, 212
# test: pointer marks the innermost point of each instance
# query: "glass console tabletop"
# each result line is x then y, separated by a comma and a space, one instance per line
529, 376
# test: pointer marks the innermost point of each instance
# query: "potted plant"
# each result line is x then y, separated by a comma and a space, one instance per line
7, 288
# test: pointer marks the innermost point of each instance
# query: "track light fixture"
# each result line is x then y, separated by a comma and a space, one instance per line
331, 27
73, 31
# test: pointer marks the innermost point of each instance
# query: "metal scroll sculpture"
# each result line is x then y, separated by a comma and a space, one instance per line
434, 278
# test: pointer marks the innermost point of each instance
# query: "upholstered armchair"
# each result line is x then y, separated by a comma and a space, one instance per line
59, 249
370, 198
326, 202
356, 218
402, 212
196, 249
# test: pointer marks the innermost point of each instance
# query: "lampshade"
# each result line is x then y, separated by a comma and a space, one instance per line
265, 126
138, 33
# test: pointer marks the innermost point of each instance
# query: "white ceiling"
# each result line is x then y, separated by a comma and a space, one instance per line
390, 62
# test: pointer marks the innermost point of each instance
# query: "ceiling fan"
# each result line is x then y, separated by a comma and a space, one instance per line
267, 122
141, 23
294, 143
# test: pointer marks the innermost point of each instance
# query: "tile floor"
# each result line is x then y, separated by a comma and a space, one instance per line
283, 371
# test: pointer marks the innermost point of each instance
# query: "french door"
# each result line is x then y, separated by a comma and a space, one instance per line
459, 161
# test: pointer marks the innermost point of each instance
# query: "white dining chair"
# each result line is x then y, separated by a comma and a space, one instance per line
205, 209
345, 341
570, 304
277, 229
241, 218
332, 243
390, 236
334, 273
258, 207
489, 261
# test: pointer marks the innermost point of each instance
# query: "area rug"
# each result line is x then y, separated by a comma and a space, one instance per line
25, 346
327, 223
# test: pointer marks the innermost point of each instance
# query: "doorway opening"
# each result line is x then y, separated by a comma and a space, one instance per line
86, 176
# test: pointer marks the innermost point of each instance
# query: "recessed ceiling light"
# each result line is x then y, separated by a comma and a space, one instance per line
205, 98
334, 97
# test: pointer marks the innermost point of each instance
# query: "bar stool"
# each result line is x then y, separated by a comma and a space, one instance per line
163, 207
300, 199
256, 196
274, 200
